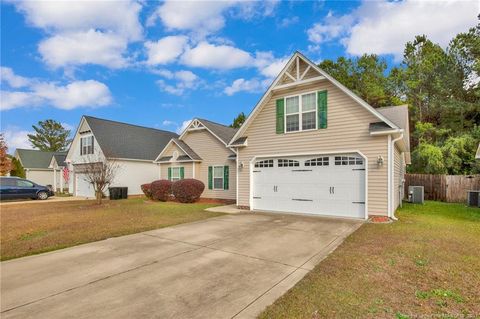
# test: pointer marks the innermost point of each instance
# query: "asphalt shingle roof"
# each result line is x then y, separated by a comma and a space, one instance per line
36, 158
184, 146
225, 133
60, 159
122, 140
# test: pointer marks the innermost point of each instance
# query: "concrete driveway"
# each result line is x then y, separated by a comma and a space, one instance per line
230, 266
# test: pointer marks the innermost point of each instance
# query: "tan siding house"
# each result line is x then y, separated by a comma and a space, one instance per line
201, 152
311, 146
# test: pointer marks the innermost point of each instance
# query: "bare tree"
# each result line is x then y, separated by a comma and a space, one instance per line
100, 173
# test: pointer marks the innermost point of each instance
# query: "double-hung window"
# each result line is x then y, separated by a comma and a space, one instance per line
301, 112
218, 177
176, 174
86, 145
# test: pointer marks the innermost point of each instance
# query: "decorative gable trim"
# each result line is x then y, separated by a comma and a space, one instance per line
166, 147
300, 81
197, 125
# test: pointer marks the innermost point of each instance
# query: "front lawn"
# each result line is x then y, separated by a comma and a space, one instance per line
426, 265
30, 228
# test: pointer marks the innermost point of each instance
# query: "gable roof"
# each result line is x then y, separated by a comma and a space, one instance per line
324, 75
190, 154
36, 158
398, 115
128, 141
225, 133
60, 159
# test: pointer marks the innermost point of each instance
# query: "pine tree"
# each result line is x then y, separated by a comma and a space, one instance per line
50, 135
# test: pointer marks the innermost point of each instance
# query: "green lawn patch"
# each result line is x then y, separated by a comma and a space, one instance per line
427, 264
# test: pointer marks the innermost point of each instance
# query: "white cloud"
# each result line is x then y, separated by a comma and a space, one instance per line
383, 27
202, 18
168, 123
268, 65
13, 80
184, 80
88, 93
165, 50
199, 16
11, 100
75, 94
288, 21
221, 57
182, 127
120, 17
90, 47
84, 32
253, 85
16, 138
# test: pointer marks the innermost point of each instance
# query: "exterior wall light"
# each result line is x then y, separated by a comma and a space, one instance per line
379, 161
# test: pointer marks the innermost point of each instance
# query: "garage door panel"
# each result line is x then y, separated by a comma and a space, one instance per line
326, 189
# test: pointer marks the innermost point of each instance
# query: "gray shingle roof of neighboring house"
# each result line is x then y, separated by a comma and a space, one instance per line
128, 141
60, 159
379, 126
399, 116
225, 133
239, 141
191, 153
36, 158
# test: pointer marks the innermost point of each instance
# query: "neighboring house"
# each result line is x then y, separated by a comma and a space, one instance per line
201, 152
57, 163
37, 166
312, 146
133, 148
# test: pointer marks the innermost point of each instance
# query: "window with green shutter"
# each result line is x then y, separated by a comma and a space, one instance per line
225, 177
280, 116
169, 173
176, 173
322, 109
210, 177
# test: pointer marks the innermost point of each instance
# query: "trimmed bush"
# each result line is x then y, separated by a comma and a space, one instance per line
161, 190
187, 190
147, 190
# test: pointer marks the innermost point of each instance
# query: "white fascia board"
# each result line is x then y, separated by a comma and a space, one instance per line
161, 153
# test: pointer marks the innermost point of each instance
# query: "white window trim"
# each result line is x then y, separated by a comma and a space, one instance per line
300, 112
213, 177
171, 177
86, 137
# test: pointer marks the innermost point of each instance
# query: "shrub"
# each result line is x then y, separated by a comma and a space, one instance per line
147, 190
161, 190
187, 190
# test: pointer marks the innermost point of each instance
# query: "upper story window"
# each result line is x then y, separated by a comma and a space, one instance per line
86, 145
301, 112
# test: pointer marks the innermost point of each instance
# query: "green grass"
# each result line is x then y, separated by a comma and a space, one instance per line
427, 264
30, 228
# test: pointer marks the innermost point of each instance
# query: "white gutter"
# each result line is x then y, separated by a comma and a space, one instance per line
391, 156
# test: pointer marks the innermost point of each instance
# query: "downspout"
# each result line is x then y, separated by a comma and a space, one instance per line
392, 167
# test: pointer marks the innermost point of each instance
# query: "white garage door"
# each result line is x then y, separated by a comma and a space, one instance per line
83, 188
322, 184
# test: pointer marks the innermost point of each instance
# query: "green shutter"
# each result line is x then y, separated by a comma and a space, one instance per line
210, 177
182, 172
225, 177
322, 109
280, 116
81, 146
169, 173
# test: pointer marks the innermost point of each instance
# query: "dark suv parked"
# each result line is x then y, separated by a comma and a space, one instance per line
16, 188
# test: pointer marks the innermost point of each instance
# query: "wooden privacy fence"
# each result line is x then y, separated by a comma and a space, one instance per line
445, 188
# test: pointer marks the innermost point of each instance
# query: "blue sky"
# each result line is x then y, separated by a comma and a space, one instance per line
159, 64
